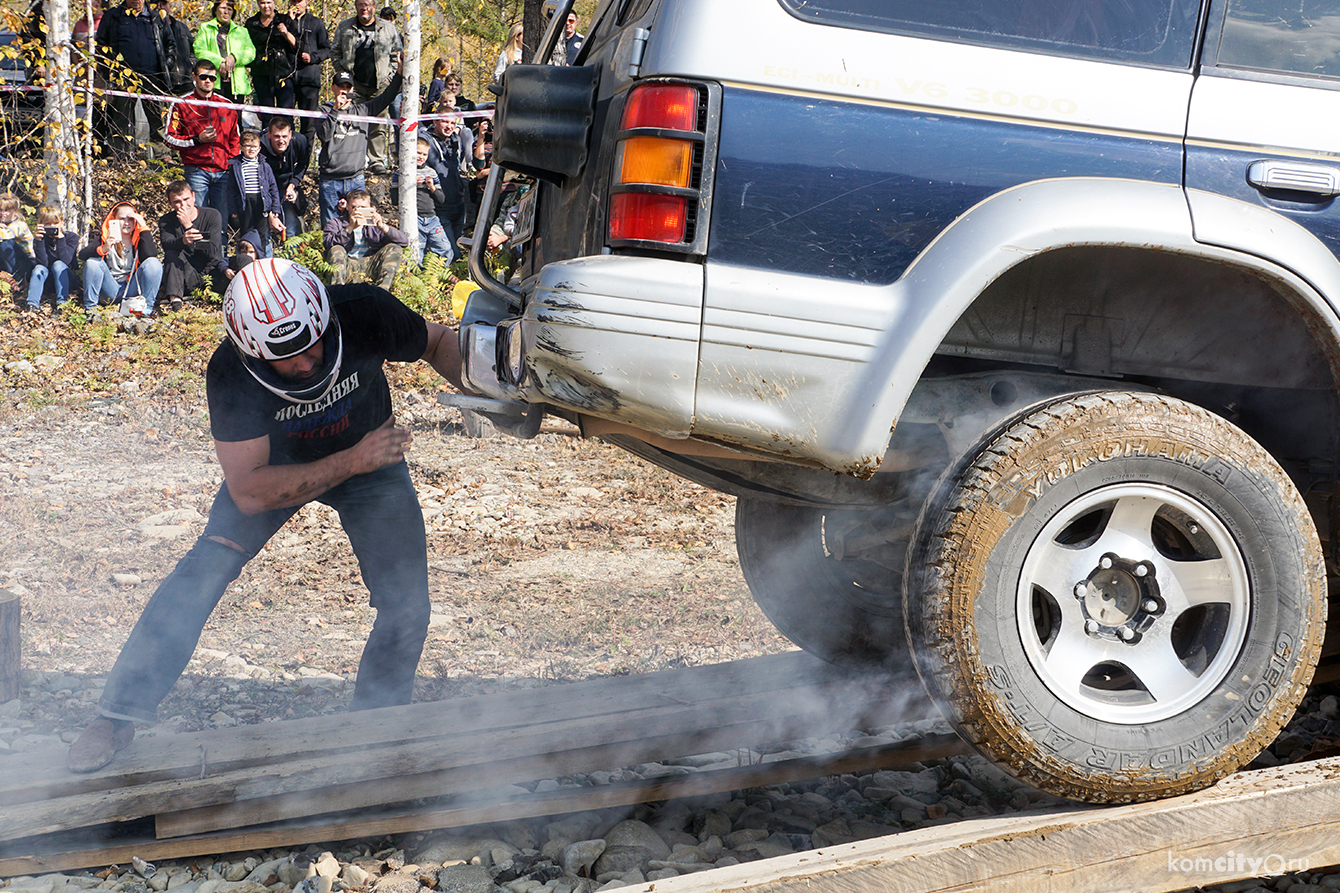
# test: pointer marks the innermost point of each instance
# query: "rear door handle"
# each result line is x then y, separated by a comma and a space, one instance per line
1295, 176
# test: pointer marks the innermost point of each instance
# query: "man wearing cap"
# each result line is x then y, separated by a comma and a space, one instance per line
344, 142
367, 48
300, 411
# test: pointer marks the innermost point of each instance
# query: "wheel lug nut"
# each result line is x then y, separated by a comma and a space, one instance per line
1192, 528
1141, 570
1091, 626
1126, 633
1105, 562
1080, 589
1150, 606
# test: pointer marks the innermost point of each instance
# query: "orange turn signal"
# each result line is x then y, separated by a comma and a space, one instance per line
656, 160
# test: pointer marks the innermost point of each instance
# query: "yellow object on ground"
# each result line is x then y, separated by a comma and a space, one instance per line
459, 295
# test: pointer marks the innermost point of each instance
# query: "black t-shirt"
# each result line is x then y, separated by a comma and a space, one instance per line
376, 327
365, 55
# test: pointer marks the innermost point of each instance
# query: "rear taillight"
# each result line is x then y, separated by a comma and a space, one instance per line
658, 165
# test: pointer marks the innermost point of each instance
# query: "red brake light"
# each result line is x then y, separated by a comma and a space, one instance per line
671, 106
641, 215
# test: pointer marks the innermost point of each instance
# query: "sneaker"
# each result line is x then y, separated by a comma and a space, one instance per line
97, 744
378, 169
175, 303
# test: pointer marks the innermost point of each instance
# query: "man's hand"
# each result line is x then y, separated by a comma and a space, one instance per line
342, 101
192, 235
384, 446
275, 223
496, 241
257, 486
208, 135
306, 58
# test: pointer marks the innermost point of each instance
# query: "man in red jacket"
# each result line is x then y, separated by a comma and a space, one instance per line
206, 137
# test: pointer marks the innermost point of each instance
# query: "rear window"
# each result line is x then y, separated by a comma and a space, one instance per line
1158, 33
1300, 37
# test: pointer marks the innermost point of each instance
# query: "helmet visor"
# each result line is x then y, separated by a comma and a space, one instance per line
314, 387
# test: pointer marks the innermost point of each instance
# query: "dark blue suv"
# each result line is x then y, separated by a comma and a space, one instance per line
1012, 324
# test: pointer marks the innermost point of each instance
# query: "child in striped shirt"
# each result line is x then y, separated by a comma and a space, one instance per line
253, 195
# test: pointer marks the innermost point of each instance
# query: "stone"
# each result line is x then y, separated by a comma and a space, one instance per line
711, 824
262, 873
631, 832
908, 782
1330, 706
395, 882
519, 834
738, 840
833, 833
773, 845
294, 871
316, 884
464, 879
621, 859
662, 874
353, 876
327, 866
234, 871
459, 849
578, 857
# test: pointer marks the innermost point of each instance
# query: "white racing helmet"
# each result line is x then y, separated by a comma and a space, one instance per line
275, 309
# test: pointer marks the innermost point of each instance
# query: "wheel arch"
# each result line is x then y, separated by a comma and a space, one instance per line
982, 273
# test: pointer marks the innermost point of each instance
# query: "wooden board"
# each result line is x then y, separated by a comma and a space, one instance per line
41, 856
39, 776
1210, 837
276, 771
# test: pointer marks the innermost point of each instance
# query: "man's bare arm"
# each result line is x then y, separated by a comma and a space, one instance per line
444, 354
257, 486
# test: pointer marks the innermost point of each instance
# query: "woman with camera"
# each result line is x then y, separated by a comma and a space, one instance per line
123, 264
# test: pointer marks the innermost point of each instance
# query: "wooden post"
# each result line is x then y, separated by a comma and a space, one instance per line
9, 645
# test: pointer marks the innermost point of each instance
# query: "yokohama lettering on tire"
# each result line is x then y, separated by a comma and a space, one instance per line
1119, 597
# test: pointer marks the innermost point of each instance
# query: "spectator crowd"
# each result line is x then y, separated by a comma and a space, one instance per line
245, 126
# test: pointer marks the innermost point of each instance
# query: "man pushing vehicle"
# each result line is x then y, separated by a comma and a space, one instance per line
300, 411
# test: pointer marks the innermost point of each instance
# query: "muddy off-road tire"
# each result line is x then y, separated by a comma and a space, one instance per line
1120, 597
845, 609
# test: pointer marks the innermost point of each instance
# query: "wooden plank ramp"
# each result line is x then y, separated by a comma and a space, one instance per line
1252, 824
246, 776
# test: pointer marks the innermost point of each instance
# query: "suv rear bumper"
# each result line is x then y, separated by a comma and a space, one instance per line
610, 336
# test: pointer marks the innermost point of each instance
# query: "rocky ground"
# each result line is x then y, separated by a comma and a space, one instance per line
551, 560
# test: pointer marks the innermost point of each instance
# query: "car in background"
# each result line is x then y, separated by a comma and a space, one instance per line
20, 110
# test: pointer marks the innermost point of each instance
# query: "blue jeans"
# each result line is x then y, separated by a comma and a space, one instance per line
331, 191
380, 515
432, 237
14, 260
60, 275
210, 188
99, 282
453, 224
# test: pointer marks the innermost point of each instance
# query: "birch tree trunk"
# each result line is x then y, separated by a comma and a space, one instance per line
409, 127
61, 138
